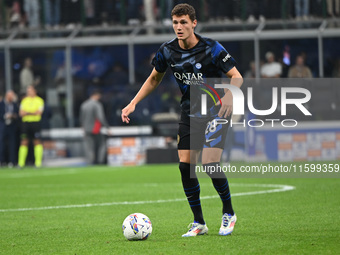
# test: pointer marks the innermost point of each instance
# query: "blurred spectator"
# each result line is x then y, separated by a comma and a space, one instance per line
222, 10
118, 77
235, 10
333, 8
92, 118
52, 13
144, 68
32, 8
273, 9
27, 76
71, 13
168, 6
281, 9
133, 9
90, 11
13, 13
9, 113
316, 8
301, 9
300, 70
217, 10
251, 73
149, 12
31, 109
271, 69
256, 10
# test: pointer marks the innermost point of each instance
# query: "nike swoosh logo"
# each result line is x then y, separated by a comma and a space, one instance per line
210, 140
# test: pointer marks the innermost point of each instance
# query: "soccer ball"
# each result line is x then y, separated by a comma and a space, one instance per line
137, 226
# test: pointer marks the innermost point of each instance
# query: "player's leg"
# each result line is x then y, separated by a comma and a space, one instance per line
101, 149
191, 188
215, 137
190, 183
211, 160
12, 145
38, 152
188, 159
23, 149
89, 145
38, 147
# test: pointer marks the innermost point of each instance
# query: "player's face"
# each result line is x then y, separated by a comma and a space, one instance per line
183, 26
31, 91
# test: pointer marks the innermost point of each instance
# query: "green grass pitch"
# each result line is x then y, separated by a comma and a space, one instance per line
81, 210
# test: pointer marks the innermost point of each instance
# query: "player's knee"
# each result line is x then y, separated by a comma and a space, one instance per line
184, 156
185, 169
211, 155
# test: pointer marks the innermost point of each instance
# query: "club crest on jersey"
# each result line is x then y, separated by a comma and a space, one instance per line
198, 65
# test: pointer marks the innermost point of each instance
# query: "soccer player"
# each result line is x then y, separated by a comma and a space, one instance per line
190, 55
31, 109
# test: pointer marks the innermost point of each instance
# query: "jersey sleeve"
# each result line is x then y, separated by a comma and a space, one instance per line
40, 104
159, 61
223, 60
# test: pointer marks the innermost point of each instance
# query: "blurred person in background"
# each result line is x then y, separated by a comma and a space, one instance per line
92, 118
32, 8
333, 8
301, 9
9, 115
251, 72
27, 76
13, 13
300, 70
256, 10
316, 8
71, 13
31, 110
217, 10
133, 11
52, 13
271, 69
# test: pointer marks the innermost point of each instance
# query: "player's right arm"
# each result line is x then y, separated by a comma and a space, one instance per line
149, 85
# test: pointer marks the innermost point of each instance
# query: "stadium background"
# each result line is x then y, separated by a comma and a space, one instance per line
111, 49
80, 210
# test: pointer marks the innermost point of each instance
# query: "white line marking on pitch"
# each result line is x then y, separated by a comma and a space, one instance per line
276, 188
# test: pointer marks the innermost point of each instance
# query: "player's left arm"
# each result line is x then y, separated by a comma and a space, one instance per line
227, 100
40, 109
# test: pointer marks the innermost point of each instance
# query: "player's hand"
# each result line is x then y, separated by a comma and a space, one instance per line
227, 105
130, 108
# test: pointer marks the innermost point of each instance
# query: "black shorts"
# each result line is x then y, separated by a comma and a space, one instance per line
31, 130
198, 134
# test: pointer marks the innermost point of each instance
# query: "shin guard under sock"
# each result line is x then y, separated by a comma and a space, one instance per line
221, 185
191, 188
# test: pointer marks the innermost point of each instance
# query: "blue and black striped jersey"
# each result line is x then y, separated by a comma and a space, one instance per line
208, 59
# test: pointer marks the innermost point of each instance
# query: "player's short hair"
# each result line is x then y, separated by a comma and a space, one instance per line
95, 92
184, 9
